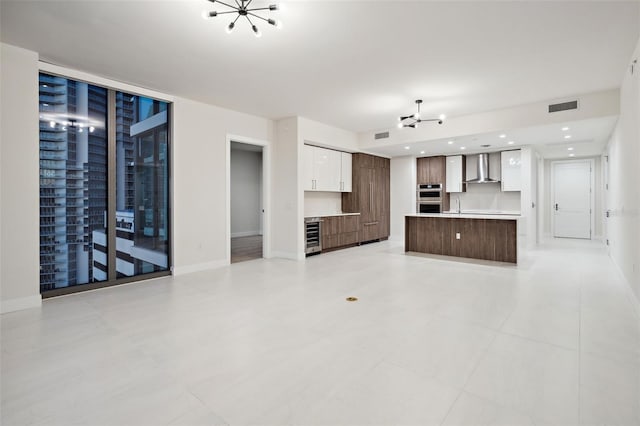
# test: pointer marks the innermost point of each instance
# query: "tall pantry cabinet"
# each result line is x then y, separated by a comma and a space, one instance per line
370, 196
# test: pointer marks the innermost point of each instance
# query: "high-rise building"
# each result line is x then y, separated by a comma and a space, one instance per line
73, 178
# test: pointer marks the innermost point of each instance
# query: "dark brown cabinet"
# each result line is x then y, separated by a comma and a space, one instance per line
370, 196
431, 170
339, 231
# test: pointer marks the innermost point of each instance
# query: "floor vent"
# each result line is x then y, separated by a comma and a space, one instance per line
382, 135
564, 106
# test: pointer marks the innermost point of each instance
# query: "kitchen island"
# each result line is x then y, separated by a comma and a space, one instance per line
476, 236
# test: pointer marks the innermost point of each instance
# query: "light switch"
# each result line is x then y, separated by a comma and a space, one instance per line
457, 235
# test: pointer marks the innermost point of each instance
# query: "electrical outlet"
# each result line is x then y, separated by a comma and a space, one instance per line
457, 235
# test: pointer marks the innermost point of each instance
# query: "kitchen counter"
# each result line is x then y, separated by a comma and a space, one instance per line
476, 236
332, 214
497, 216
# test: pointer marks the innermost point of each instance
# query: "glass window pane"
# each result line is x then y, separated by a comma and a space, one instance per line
73, 182
142, 182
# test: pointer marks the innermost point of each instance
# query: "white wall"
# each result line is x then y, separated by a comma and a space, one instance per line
19, 184
487, 197
321, 134
287, 200
322, 203
403, 194
200, 180
246, 192
199, 175
623, 196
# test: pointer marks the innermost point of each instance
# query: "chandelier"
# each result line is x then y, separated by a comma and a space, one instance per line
241, 8
414, 119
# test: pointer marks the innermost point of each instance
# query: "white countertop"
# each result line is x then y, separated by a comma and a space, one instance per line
474, 211
332, 214
499, 216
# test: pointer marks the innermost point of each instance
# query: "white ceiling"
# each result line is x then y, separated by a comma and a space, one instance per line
352, 64
587, 138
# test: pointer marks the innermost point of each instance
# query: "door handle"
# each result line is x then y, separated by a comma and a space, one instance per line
370, 196
556, 206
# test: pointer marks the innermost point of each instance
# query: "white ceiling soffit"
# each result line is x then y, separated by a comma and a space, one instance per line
352, 64
588, 138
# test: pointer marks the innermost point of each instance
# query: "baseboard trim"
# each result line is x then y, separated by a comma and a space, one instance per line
245, 234
182, 270
20, 303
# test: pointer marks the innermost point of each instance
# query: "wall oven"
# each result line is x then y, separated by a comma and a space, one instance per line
429, 198
429, 192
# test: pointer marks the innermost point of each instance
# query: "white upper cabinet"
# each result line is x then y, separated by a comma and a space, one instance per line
327, 169
345, 172
309, 178
323, 170
511, 174
454, 174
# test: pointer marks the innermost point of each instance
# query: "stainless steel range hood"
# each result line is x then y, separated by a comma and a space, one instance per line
483, 171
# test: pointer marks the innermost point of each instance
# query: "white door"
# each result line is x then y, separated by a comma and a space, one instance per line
572, 202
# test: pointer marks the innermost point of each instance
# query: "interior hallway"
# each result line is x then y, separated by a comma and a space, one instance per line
555, 340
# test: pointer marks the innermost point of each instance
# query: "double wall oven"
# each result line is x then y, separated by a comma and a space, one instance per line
429, 198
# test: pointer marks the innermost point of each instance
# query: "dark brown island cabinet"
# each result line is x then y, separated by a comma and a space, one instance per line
370, 196
340, 231
488, 239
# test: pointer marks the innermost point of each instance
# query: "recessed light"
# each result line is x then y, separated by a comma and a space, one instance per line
570, 148
450, 142
510, 142
502, 136
463, 148
564, 129
407, 147
421, 152
567, 136
572, 155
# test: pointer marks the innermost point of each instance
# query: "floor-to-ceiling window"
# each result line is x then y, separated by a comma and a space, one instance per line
104, 186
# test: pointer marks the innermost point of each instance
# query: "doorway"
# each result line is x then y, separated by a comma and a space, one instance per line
572, 200
246, 202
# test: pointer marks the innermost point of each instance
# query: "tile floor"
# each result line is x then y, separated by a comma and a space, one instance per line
555, 340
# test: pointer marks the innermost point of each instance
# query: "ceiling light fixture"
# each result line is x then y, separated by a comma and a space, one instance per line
414, 119
567, 136
421, 152
572, 155
564, 129
407, 147
462, 148
242, 9
570, 149
450, 142
502, 136
510, 142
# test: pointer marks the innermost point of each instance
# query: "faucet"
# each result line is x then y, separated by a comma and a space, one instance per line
458, 204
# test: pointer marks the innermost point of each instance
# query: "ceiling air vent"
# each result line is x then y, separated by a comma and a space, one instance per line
564, 106
382, 135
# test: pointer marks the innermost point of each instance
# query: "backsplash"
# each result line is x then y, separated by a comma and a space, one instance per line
486, 196
322, 203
